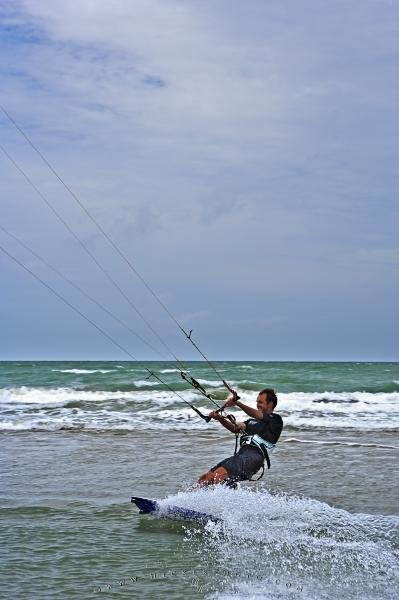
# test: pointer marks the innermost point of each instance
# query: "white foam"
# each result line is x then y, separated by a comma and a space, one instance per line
58, 396
337, 410
103, 420
288, 547
146, 383
329, 400
358, 410
210, 383
82, 371
28, 395
339, 443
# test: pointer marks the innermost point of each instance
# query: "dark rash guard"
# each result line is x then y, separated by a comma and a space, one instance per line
249, 459
269, 427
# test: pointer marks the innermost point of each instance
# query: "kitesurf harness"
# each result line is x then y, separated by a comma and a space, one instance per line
259, 442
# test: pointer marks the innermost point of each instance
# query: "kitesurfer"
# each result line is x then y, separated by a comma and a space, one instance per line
259, 435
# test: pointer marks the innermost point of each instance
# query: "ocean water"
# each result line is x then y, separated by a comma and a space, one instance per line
79, 438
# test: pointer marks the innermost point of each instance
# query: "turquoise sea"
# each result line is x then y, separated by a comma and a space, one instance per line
79, 438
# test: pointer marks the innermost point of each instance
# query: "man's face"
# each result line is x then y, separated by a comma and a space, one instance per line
262, 403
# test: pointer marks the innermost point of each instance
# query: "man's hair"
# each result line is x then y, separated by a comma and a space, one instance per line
270, 396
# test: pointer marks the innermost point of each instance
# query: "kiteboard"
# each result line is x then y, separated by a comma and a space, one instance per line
147, 506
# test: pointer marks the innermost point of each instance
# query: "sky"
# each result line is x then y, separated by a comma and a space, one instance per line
242, 155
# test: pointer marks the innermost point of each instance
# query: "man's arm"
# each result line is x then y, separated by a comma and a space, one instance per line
233, 427
251, 412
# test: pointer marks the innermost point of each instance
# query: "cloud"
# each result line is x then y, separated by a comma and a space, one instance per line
246, 151
388, 257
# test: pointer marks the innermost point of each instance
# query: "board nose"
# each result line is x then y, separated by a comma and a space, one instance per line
145, 505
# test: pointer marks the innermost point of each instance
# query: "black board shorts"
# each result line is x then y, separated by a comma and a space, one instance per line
243, 465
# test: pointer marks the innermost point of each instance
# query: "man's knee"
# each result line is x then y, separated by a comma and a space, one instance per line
206, 478
213, 477
219, 475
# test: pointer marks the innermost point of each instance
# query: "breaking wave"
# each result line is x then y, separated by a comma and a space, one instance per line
82, 371
146, 404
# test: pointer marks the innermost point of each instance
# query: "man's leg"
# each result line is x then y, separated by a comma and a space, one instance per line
219, 475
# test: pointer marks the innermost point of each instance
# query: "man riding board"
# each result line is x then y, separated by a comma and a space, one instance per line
259, 434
